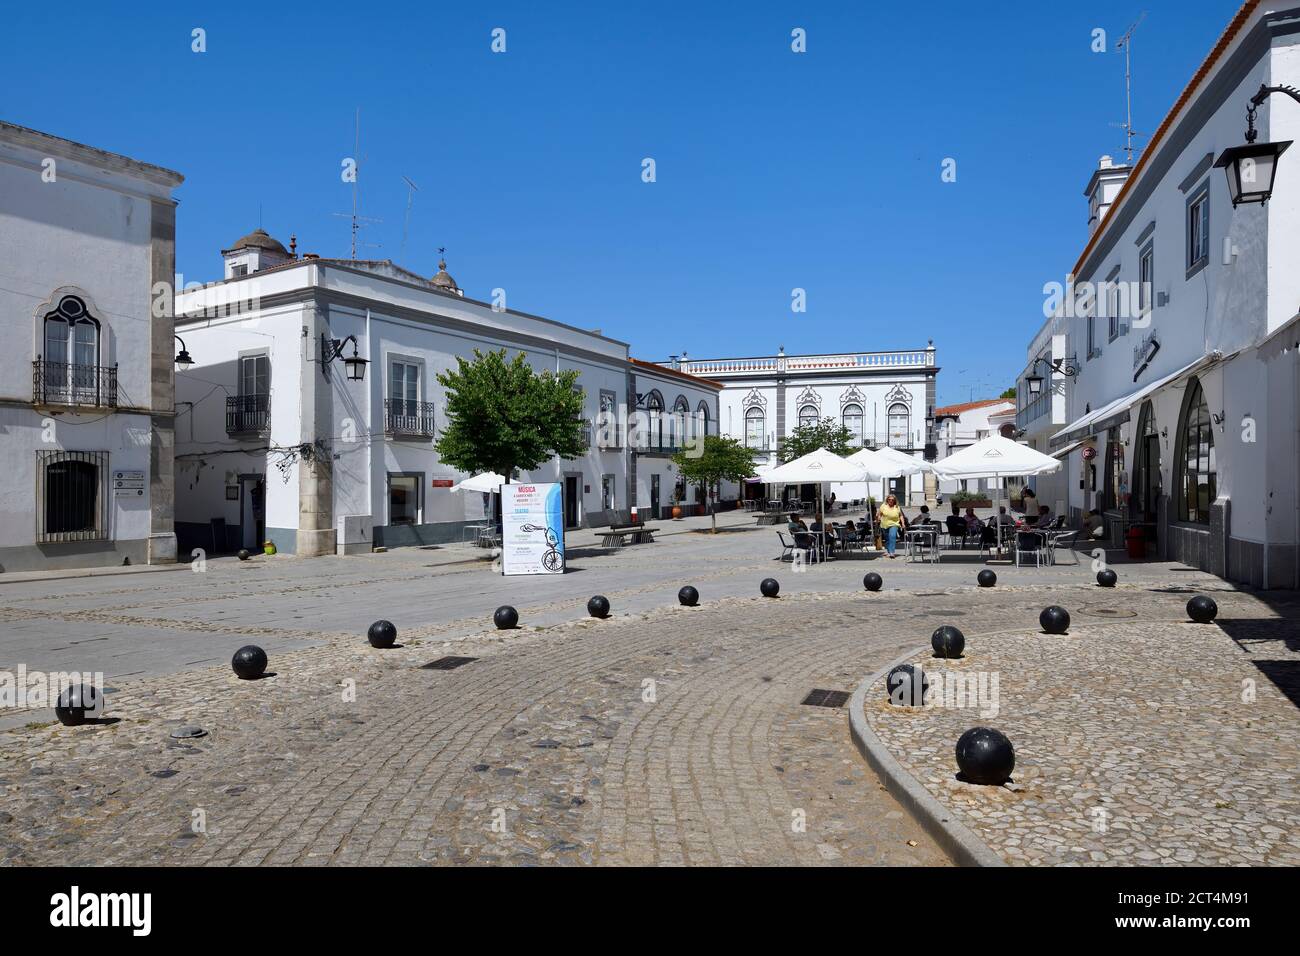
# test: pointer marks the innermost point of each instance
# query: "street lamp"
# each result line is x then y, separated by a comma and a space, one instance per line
1252, 168
354, 363
183, 359
1034, 381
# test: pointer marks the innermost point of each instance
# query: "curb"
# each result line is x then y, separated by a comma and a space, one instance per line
956, 839
29, 577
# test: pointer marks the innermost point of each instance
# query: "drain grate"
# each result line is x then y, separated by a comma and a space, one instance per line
447, 663
826, 698
1095, 611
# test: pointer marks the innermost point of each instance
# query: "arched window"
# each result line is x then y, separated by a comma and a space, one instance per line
851, 418
654, 404
1194, 459
71, 351
808, 415
755, 428
702, 418
899, 428
681, 412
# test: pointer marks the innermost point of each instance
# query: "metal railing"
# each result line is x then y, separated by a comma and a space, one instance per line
59, 383
905, 358
248, 414
402, 417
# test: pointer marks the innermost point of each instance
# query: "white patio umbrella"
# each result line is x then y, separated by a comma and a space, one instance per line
885, 463
818, 467
995, 457
487, 481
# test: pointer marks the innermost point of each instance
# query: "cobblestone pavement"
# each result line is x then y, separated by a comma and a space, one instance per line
547, 748
1141, 738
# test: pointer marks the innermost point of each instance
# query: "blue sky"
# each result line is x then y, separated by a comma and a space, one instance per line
775, 170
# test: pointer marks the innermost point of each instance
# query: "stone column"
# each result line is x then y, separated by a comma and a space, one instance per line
162, 382
316, 532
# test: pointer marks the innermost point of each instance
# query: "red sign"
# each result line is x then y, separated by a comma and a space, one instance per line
442, 482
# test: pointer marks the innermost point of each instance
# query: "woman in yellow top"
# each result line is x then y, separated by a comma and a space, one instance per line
890, 521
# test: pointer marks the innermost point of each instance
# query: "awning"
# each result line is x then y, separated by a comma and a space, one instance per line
1063, 452
1116, 412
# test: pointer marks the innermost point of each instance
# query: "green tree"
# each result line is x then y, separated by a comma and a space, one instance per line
503, 416
1009, 393
716, 459
827, 433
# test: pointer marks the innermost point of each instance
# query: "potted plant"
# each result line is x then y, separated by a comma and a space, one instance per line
677, 503
969, 499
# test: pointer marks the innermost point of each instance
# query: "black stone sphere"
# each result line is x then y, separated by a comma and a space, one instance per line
382, 634
906, 685
598, 606
1107, 578
75, 702
948, 641
249, 662
986, 578
243, 555
985, 756
1054, 619
688, 596
505, 618
770, 587
872, 581
1202, 609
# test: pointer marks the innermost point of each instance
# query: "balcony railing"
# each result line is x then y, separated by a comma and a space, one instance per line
402, 417
248, 414
58, 383
896, 359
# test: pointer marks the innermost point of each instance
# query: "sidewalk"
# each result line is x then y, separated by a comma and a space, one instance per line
1141, 738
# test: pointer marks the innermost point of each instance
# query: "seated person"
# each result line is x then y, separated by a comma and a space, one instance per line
1044, 519
924, 517
973, 524
1094, 525
1002, 519
796, 524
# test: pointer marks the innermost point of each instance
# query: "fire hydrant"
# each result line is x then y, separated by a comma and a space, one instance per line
1136, 540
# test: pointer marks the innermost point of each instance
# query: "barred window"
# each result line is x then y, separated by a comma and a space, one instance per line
71, 496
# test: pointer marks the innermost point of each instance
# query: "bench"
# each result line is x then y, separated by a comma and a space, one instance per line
613, 536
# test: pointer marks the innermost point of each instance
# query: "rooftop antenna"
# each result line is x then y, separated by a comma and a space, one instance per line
357, 220
1125, 43
411, 190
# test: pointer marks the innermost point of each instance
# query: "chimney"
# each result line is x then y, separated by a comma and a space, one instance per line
1102, 189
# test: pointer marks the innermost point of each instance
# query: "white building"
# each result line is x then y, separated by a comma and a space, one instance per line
883, 398
1174, 397
960, 426
276, 442
87, 252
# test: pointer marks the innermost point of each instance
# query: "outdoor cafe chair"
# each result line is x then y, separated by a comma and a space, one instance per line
787, 549
1035, 543
806, 541
957, 530
1062, 539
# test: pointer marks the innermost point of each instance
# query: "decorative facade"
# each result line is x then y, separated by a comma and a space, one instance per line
279, 444
1171, 392
87, 246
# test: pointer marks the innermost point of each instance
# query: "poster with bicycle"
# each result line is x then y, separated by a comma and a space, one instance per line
532, 529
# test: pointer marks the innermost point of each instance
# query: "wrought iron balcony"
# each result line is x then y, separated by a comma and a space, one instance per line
402, 417
248, 414
58, 383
